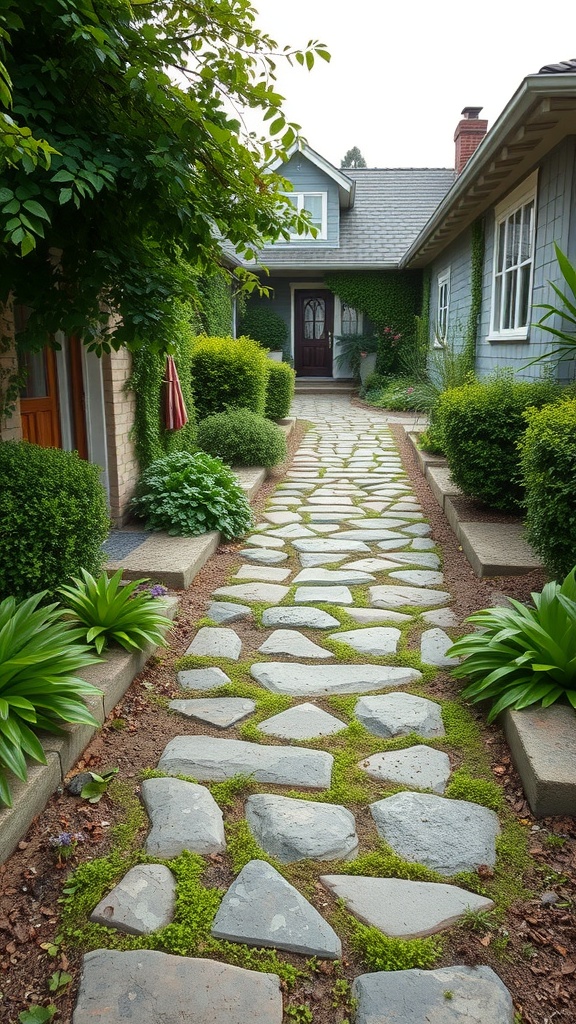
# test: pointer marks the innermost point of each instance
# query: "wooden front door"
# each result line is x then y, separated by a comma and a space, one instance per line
313, 330
39, 399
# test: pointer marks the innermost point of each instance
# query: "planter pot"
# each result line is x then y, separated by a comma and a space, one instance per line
367, 366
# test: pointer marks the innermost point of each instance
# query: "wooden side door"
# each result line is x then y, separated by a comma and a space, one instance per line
39, 399
313, 333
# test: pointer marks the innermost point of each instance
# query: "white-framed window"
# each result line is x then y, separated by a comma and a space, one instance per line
316, 206
350, 320
442, 307
515, 230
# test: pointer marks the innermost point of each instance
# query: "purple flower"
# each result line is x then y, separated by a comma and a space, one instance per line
158, 590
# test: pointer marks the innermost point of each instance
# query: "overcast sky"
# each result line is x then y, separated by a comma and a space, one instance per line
402, 71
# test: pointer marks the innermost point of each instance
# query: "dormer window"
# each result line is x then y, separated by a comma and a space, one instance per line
316, 205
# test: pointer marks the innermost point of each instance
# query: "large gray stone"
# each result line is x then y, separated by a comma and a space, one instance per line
299, 680
419, 767
418, 577
216, 642
329, 577
184, 816
294, 531
310, 560
401, 908
268, 593
144, 986
330, 500
364, 615
418, 530
398, 714
446, 835
331, 545
427, 559
290, 641
263, 556
262, 909
371, 535
265, 542
202, 678
303, 722
292, 830
375, 642
443, 617
282, 518
477, 996
209, 759
310, 618
370, 565
391, 596
377, 524
543, 746
422, 544
330, 595
264, 573
220, 712
225, 611
433, 646
141, 903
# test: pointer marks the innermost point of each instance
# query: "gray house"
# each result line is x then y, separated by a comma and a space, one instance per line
483, 233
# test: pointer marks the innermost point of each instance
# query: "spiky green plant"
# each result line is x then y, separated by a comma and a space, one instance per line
523, 655
40, 655
113, 613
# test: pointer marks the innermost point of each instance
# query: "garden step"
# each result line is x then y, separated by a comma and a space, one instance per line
298, 680
477, 996
210, 759
293, 830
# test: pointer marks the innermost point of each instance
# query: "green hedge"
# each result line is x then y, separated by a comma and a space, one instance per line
481, 424
548, 462
228, 373
242, 438
279, 390
265, 326
53, 518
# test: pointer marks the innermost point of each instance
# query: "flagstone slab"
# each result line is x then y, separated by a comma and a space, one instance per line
422, 544
446, 835
371, 565
331, 500
433, 646
332, 545
213, 759
418, 530
262, 909
220, 712
265, 542
290, 641
398, 714
294, 531
309, 618
325, 528
298, 680
420, 767
303, 722
426, 559
141, 903
365, 615
316, 516
477, 996
264, 573
216, 642
267, 593
376, 641
184, 816
282, 518
401, 908
418, 577
226, 611
202, 678
328, 577
380, 523
330, 595
372, 536
285, 500
263, 556
391, 596
310, 560
144, 986
443, 617
293, 830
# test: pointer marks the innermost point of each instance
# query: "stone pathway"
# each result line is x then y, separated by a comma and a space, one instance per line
342, 552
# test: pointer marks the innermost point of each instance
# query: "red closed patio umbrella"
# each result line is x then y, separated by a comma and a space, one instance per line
175, 415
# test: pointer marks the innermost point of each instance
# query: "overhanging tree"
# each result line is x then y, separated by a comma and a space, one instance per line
125, 159
353, 158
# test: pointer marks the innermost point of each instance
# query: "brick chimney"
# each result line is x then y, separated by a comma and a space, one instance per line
468, 136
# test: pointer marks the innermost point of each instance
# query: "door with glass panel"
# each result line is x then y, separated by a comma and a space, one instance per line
39, 399
313, 333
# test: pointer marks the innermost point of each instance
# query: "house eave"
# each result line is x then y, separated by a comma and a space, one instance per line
540, 114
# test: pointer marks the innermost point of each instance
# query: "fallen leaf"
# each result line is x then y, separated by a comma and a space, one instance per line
560, 949
568, 968
485, 940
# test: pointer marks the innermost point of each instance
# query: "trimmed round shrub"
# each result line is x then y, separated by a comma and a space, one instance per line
53, 518
265, 326
279, 390
242, 438
481, 425
548, 462
188, 494
228, 373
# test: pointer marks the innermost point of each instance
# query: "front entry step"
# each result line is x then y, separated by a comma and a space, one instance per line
324, 386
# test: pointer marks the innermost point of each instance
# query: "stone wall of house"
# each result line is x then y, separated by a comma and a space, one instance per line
120, 410
11, 427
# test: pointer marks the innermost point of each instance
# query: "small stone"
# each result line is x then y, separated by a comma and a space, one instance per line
293, 830
184, 816
220, 712
225, 611
364, 615
549, 898
216, 642
441, 617
263, 556
262, 909
422, 544
398, 714
309, 618
418, 530
477, 996
331, 545
290, 641
418, 577
419, 767
398, 596
265, 573
299, 680
375, 642
268, 593
214, 759
329, 595
202, 678
141, 903
433, 646
303, 722
77, 782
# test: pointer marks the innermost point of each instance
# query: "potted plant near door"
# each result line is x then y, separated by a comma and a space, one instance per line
357, 352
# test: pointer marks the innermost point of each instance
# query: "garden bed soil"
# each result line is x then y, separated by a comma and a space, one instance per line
534, 951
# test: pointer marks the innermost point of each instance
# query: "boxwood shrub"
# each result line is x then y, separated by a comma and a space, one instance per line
548, 462
242, 438
482, 423
279, 390
53, 518
228, 373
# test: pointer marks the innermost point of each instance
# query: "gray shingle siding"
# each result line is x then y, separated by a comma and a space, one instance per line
306, 177
456, 259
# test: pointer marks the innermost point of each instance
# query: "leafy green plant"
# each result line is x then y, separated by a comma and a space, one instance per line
565, 310
242, 438
264, 325
94, 791
523, 655
59, 980
228, 373
40, 655
279, 390
37, 1014
113, 613
53, 518
350, 349
191, 494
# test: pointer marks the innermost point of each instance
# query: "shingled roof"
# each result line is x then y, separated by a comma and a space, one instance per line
391, 207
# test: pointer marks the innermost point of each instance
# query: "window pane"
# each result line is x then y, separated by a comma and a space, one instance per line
509, 299
498, 303
524, 296
36, 384
501, 245
349, 320
314, 206
526, 244
314, 317
509, 260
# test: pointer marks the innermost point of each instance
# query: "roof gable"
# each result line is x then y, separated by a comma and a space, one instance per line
346, 186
